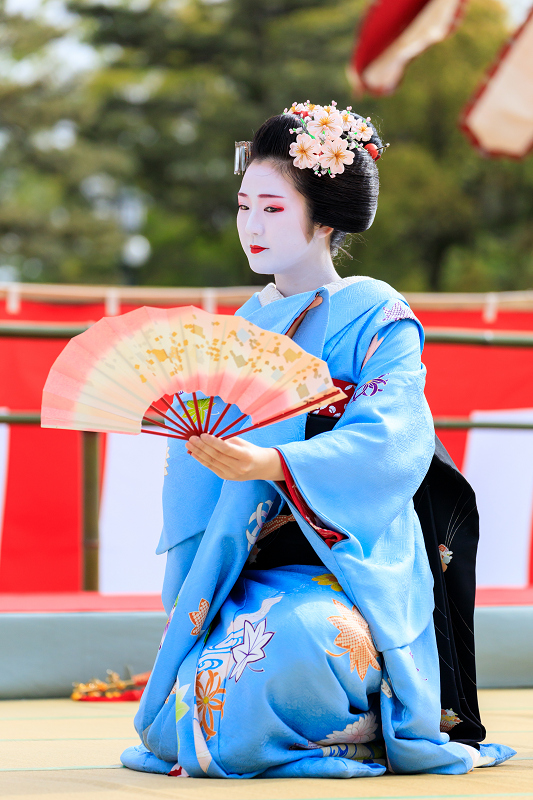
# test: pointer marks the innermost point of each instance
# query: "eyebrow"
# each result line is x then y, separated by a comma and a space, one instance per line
242, 194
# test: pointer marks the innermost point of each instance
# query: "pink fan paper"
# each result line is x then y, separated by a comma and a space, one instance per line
109, 377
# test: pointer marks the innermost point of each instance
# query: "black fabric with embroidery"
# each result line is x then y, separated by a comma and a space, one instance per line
446, 506
285, 546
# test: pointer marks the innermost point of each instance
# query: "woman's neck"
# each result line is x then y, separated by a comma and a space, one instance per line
289, 283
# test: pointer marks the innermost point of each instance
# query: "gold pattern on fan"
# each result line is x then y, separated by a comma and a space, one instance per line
108, 377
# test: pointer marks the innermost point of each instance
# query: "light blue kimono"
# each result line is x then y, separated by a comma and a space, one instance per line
306, 671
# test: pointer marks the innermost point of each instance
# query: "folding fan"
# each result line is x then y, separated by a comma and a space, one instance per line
110, 376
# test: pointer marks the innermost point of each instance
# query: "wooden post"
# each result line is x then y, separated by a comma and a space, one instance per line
91, 479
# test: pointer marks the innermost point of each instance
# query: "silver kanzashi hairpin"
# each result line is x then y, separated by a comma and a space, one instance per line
243, 151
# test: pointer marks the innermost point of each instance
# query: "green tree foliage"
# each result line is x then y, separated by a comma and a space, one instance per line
181, 80
49, 227
190, 79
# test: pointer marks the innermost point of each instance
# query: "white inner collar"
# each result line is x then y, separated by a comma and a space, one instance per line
271, 292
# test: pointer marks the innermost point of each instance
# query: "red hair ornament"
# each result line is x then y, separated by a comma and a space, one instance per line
373, 150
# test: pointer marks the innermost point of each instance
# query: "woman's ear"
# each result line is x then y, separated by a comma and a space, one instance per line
322, 231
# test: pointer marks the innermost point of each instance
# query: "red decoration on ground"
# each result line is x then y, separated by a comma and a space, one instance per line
114, 689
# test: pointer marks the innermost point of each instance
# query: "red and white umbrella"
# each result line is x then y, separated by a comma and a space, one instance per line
499, 118
392, 33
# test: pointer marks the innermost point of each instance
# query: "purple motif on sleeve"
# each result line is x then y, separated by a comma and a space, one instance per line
397, 312
370, 388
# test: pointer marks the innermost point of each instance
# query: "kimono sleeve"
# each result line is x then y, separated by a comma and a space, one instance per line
190, 490
358, 477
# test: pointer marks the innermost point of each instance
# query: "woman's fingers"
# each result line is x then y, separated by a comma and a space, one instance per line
200, 455
230, 460
237, 460
232, 448
224, 452
220, 471
206, 460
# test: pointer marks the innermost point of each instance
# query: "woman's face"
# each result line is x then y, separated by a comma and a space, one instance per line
273, 221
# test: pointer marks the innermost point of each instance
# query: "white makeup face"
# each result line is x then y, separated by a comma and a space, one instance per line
273, 222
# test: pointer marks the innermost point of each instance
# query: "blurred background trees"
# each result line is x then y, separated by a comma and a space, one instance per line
125, 172
49, 229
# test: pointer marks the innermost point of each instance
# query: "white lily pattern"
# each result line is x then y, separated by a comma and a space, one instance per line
251, 649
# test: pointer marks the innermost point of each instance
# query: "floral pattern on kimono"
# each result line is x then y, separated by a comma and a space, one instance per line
209, 699
354, 638
198, 617
364, 730
328, 580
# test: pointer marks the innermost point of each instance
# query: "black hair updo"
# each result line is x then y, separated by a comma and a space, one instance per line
346, 203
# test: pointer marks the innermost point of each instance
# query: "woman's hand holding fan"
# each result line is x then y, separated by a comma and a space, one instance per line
110, 377
236, 460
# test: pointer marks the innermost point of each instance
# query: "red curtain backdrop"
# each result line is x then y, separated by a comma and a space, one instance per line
41, 532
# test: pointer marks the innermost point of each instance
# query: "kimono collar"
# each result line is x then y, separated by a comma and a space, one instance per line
279, 316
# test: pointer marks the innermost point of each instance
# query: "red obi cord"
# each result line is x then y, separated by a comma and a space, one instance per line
333, 410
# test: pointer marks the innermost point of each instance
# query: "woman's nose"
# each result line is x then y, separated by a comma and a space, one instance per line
254, 225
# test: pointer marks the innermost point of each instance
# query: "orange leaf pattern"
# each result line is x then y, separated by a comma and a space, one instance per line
354, 638
208, 686
198, 617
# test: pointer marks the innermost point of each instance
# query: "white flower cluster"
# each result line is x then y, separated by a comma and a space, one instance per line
327, 137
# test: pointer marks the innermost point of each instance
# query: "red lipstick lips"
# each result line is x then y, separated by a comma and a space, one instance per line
254, 248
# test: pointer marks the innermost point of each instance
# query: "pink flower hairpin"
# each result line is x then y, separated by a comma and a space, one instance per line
327, 137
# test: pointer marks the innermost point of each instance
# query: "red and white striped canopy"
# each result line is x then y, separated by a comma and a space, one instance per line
392, 33
499, 118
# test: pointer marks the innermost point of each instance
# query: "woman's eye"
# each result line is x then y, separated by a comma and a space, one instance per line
273, 209
242, 207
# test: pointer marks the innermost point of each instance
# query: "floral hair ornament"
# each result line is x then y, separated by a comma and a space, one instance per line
242, 156
327, 137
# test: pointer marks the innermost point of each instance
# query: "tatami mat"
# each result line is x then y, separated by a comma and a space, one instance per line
59, 749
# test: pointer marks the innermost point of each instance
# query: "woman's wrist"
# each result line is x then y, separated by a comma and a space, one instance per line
271, 469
